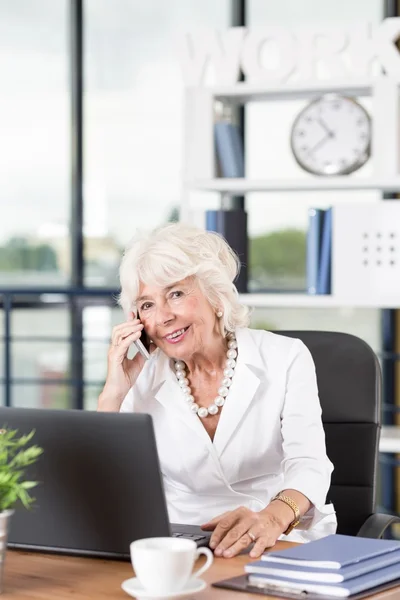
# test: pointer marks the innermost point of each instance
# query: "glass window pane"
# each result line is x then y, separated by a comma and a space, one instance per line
40, 360
98, 322
40, 351
134, 119
42, 395
2, 342
34, 142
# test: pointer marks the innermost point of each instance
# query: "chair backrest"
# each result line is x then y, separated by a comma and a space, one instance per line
349, 382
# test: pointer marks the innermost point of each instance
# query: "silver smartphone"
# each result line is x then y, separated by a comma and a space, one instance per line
142, 349
143, 345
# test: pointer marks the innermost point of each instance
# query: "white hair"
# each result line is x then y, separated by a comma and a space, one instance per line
176, 251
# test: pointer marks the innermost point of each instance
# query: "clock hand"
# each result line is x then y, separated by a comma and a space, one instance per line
320, 143
326, 128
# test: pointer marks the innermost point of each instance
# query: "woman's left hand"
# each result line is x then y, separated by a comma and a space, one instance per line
235, 530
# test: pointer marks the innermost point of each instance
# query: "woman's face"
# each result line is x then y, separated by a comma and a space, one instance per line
179, 319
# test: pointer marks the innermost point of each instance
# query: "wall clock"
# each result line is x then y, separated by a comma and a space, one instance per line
331, 136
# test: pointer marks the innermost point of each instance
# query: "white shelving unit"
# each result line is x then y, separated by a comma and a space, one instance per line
199, 159
243, 92
309, 184
199, 153
262, 300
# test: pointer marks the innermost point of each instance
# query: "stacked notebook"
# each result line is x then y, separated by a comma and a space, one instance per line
335, 566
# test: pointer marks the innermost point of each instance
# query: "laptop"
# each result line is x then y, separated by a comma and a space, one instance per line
100, 484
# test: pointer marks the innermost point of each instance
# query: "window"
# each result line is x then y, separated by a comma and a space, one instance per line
134, 120
34, 143
40, 357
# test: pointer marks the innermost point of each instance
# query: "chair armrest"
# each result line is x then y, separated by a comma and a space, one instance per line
376, 525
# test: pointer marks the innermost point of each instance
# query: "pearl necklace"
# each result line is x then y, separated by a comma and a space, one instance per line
219, 401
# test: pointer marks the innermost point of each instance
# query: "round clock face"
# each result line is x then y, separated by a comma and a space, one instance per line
331, 136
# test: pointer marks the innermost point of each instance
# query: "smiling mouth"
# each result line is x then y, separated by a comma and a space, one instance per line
176, 336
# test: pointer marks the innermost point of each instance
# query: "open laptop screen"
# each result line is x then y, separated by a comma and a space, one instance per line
100, 485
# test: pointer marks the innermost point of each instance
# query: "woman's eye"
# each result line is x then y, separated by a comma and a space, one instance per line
177, 294
145, 306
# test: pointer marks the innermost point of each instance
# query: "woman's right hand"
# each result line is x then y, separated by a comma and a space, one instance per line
122, 372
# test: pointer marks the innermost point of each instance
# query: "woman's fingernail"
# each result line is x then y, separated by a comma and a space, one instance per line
218, 552
253, 555
212, 544
227, 553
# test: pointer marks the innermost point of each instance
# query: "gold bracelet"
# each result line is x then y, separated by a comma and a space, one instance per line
294, 508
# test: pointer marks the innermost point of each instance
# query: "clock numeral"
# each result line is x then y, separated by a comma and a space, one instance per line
301, 133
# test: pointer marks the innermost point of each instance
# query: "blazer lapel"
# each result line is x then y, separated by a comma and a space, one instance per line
250, 373
167, 391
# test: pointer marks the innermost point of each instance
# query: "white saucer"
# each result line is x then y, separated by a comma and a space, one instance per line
135, 589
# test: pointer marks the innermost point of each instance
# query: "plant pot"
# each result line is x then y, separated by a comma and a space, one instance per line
5, 520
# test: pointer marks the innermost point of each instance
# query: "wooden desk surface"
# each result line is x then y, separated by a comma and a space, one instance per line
35, 576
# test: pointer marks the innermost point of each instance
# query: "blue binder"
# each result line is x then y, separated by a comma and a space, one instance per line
315, 216
333, 552
324, 272
313, 574
229, 149
334, 590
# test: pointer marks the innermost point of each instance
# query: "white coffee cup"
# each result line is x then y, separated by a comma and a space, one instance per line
164, 565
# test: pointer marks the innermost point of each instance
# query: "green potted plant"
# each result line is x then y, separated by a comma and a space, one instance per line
15, 456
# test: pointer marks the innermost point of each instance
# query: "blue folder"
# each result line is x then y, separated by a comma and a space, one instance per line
333, 552
337, 590
312, 574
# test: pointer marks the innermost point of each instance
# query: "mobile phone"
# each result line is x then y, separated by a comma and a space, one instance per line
142, 349
143, 345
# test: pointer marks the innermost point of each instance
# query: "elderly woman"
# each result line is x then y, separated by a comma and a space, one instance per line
236, 411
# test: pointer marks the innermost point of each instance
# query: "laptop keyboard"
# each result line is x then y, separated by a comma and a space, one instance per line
190, 536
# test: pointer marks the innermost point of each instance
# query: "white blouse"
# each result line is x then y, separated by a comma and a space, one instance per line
269, 437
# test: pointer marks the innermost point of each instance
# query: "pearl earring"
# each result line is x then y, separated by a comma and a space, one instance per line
219, 314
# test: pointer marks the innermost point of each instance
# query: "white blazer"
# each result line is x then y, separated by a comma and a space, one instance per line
269, 436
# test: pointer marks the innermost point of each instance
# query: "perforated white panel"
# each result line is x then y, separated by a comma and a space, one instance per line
366, 251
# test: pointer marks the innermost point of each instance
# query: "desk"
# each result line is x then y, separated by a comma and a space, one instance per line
35, 576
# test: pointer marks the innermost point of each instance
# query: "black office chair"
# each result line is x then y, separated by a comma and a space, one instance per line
349, 382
